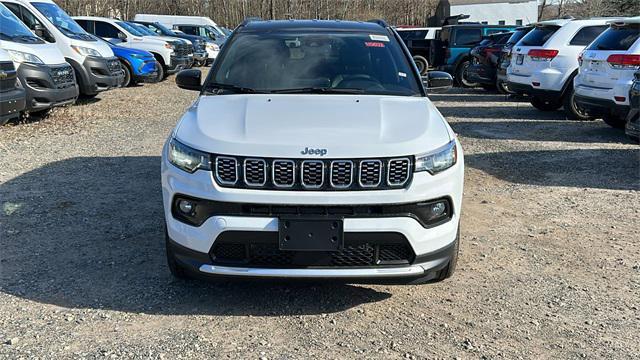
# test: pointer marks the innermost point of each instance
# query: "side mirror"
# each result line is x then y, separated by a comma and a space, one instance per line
190, 79
39, 30
437, 81
122, 37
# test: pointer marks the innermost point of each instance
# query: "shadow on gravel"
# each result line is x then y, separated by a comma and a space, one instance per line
540, 130
615, 169
88, 233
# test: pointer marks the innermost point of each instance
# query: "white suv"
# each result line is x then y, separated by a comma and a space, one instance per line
545, 61
606, 72
328, 162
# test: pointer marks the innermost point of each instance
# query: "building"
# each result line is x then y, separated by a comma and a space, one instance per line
494, 12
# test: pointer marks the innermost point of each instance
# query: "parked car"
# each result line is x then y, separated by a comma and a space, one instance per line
419, 40
138, 65
258, 192
505, 58
215, 40
145, 31
451, 52
545, 62
95, 66
172, 20
172, 55
632, 128
12, 95
41, 68
606, 72
486, 56
200, 54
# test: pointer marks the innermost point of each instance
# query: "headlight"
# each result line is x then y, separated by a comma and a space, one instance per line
85, 51
213, 47
23, 57
186, 158
170, 46
438, 160
139, 56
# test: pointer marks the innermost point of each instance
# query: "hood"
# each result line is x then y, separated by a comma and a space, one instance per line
121, 51
347, 126
165, 38
48, 53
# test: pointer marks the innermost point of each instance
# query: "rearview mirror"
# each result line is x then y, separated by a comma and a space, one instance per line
437, 81
190, 79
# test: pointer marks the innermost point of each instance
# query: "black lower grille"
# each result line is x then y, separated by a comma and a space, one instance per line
260, 249
63, 77
114, 66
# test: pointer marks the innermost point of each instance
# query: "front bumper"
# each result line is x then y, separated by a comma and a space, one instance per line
179, 63
423, 241
200, 55
11, 104
48, 86
100, 74
602, 107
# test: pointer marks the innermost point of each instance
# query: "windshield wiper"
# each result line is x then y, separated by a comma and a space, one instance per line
234, 88
318, 90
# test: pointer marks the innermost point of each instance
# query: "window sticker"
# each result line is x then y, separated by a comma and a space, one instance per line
379, 38
374, 44
401, 74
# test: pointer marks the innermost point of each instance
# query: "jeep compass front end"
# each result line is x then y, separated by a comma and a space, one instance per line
312, 152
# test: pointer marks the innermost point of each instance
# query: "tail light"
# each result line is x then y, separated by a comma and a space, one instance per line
624, 61
580, 58
542, 54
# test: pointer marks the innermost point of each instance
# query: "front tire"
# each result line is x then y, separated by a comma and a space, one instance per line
422, 64
126, 82
461, 75
572, 109
161, 71
545, 104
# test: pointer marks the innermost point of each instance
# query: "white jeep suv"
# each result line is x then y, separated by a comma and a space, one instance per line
313, 152
545, 62
606, 72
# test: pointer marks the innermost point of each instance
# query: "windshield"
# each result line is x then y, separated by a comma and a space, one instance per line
314, 62
163, 29
617, 38
59, 18
133, 31
217, 31
12, 28
539, 36
517, 35
142, 29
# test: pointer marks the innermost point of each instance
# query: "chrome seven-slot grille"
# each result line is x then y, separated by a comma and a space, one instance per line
313, 174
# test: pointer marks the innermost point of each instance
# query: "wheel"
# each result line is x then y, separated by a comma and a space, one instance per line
461, 75
126, 82
502, 87
614, 121
161, 72
572, 109
176, 270
422, 64
545, 104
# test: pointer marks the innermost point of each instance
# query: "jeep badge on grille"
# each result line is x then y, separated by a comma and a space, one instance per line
308, 151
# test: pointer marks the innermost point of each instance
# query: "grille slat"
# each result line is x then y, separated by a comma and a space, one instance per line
313, 174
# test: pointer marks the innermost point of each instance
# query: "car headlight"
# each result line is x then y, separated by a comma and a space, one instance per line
139, 56
439, 160
23, 57
213, 47
170, 46
188, 159
85, 51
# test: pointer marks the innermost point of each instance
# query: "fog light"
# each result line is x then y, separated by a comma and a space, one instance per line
186, 207
438, 209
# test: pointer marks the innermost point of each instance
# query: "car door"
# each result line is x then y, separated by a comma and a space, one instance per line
109, 32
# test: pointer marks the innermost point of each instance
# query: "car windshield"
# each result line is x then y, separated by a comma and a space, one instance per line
142, 29
59, 18
134, 31
165, 30
517, 35
539, 35
618, 38
314, 62
13, 29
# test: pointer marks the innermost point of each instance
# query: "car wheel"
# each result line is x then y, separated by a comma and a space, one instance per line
176, 270
614, 121
127, 75
545, 104
422, 64
161, 71
461, 75
572, 109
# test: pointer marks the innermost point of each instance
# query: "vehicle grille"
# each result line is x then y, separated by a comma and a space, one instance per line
63, 76
182, 49
201, 46
114, 66
299, 174
260, 249
8, 82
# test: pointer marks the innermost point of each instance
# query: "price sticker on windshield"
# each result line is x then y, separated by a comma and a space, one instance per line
374, 44
379, 38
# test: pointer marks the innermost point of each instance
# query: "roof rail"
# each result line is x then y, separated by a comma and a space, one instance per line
379, 22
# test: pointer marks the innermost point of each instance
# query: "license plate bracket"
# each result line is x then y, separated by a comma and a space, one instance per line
302, 234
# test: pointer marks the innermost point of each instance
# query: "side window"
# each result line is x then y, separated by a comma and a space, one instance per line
466, 37
106, 30
188, 30
30, 20
587, 34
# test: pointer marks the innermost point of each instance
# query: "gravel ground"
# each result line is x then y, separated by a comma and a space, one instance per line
549, 267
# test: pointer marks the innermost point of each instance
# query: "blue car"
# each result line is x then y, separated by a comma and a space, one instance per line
138, 65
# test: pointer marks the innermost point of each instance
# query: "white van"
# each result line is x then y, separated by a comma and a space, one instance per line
41, 68
12, 95
173, 54
171, 20
96, 68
